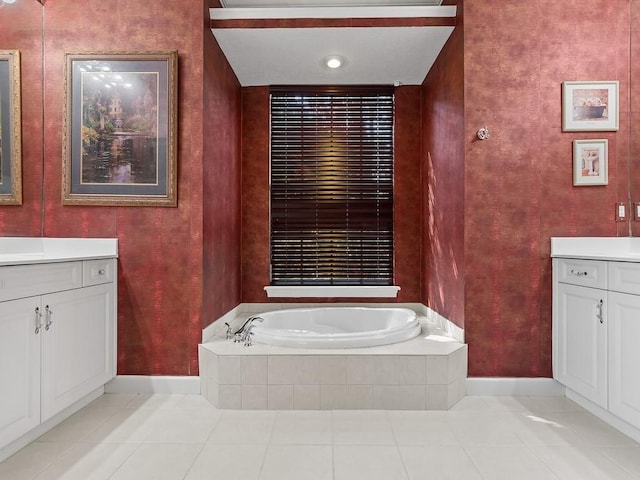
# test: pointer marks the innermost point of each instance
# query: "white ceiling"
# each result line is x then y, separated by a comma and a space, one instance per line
293, 56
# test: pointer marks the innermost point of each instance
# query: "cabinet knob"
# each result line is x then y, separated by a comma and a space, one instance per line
102, 272
578, 273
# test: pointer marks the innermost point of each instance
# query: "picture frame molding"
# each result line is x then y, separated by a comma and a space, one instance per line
137, 195
11, 126
593, 124
581, 180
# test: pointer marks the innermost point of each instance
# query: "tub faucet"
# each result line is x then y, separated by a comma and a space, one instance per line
243, 334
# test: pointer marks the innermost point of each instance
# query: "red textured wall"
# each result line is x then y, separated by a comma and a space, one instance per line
255, 196
221, 184
20, 29
443, 263
515, 194
634, 110
518, 184
161, 249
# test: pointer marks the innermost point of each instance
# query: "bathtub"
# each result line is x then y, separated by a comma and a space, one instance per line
336, 327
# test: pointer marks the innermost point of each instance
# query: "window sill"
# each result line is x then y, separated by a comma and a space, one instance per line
332, 292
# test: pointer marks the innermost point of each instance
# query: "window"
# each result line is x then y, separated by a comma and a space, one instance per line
332, 187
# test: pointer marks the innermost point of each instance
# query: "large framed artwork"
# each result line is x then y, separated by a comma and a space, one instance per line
120, 129
10, 129
590, 106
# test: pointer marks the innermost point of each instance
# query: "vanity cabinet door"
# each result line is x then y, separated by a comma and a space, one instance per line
581, 341
19, 368
624, 357
78, 346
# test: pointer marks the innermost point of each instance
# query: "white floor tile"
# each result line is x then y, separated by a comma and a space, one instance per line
156, 437
422, 431
32, 460
368, 462
160, 461
509, 463
438, 462
580, 463
628, 458
362, 428
228, 462
302, 428
88, 461
243, 427
482, 429
296, 462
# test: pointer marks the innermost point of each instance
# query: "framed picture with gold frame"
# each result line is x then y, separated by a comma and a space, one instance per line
10, 129
120, 129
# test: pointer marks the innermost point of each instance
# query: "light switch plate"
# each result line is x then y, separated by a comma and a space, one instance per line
621, 212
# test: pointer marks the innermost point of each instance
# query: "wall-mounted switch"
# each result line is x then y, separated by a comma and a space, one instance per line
621, 212
636, 211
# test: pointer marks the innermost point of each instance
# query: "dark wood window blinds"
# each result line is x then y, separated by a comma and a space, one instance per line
332, 187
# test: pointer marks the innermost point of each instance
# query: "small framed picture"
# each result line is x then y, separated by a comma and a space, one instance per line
590, 106
590, 162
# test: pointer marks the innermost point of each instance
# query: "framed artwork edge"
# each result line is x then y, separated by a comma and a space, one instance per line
569, 124
14, 197
581, 180
169, 198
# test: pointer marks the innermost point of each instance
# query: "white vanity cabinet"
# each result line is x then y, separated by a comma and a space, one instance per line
596, 333
580, 345
57, 339
624, 341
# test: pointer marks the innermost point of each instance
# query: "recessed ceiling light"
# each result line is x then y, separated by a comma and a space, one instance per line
334, 62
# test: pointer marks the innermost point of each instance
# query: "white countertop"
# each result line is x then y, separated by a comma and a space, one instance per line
32, 250
620, 249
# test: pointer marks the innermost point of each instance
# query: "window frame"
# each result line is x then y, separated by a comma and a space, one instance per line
363, 281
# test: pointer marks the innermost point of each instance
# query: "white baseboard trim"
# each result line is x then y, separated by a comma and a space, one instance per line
518, 387
154, 384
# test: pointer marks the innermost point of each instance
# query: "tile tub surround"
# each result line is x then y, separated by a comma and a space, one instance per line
425, 373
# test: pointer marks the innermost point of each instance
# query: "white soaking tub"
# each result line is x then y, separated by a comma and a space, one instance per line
336, 327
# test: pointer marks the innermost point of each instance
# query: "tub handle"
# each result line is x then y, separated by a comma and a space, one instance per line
247, 339
229, 332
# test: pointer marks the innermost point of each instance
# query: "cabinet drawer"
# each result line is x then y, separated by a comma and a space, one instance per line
624, 277
22, 281
586, 273
95, 272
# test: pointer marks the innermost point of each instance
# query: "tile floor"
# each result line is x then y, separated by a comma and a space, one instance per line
175, 437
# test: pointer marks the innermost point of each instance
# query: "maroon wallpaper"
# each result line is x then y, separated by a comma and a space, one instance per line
221, 184
518, 184
255, 196
21, 29
161, 266
443, 169
473, 236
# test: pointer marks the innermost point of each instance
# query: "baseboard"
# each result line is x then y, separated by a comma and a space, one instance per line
518, 387
154, 384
